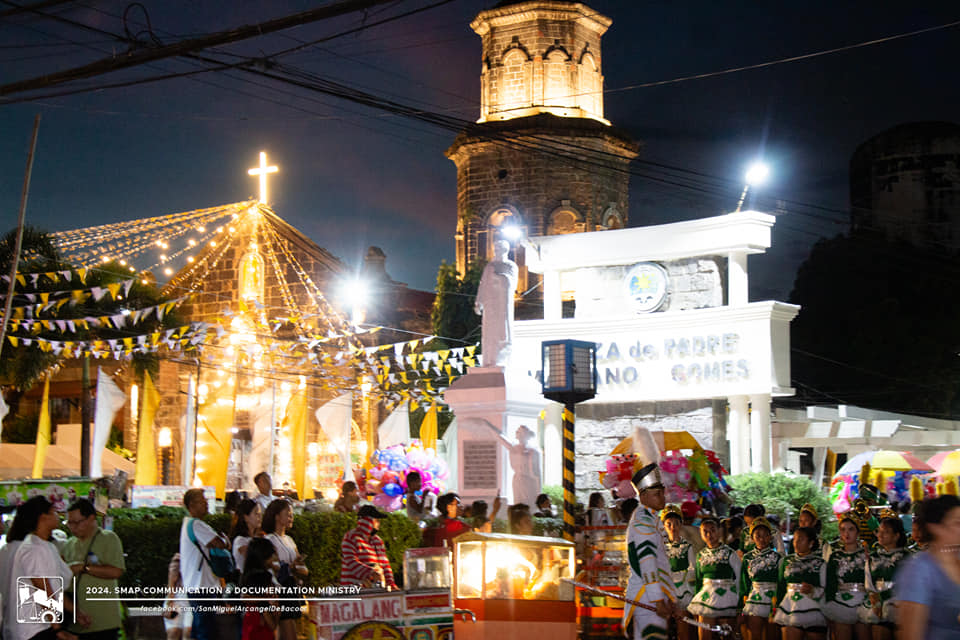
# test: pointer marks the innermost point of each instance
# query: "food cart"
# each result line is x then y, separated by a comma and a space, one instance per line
515, 586
604, 566
421, 611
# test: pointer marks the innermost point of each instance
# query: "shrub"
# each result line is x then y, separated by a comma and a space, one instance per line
151, 536
778, 492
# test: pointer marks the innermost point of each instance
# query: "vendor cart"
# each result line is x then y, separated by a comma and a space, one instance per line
515, 586
422, 611
604, 567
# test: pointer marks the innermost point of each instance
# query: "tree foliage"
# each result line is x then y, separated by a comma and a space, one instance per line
877, 326
782, 492
454, 319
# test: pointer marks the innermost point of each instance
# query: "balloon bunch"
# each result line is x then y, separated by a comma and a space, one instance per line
619, 471
676, 475
840, 495
387, 480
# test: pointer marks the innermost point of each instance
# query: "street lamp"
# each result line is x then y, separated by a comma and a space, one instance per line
165, 441
569, 375
756, 175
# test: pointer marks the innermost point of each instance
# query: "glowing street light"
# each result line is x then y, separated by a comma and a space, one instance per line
756, 175
511, 232
357, 295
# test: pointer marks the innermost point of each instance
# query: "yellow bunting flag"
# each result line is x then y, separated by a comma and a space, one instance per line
146, 472
296, 421
43, 433
428, 428
214, 440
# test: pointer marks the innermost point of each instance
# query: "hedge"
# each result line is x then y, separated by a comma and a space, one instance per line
151, 536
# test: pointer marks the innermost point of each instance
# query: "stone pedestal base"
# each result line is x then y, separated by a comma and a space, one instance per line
487, 397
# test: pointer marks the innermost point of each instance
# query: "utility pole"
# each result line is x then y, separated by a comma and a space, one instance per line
18, 244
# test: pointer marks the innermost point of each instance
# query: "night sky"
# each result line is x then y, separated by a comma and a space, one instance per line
351, 177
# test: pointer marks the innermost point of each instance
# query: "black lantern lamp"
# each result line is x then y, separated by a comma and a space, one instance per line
569, 376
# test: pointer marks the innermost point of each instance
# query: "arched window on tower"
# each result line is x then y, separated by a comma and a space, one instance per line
564, 220
557, 90
515, 82
612, 219
591, 86
493, 231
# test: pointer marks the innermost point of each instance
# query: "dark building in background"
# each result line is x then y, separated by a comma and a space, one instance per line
905, 184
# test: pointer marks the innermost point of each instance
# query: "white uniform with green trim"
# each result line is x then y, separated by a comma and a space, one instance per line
718, 583
650, 579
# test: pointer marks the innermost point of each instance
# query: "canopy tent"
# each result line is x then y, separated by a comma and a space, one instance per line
884, 461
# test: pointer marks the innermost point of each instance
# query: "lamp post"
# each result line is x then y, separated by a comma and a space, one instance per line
756, 175
569, 376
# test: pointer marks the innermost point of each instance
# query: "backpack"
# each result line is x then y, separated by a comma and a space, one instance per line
220, 560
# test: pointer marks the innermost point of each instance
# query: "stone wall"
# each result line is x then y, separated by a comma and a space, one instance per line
695, 283
600, 428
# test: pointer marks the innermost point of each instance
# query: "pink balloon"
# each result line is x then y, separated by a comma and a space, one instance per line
625, 489
382, 500
610, 481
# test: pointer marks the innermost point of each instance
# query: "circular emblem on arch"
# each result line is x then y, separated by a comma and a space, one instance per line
373, 630
645, 286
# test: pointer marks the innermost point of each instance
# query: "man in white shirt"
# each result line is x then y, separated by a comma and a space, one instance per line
37, 559
265, 489
199, 581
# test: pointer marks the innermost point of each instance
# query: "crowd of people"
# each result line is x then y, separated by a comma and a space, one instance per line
690, 573
875, 582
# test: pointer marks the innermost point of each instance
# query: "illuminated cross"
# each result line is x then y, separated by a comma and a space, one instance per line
262, 171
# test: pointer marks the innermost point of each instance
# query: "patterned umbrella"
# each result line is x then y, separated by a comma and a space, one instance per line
884, 461
946, 463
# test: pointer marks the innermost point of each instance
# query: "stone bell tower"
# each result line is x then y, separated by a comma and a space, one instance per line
542, 156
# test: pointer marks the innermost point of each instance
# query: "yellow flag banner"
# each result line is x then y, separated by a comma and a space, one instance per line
428, 429
43, 432
296, 423
146, 472
214, 440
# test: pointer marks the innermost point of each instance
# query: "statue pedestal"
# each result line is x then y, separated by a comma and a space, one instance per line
487, 397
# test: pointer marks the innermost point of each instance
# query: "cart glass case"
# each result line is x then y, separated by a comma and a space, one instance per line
492, 566
426, 568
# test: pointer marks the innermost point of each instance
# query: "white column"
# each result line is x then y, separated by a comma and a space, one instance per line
738, 434
552, 297
760, 453
737, 283
819, 465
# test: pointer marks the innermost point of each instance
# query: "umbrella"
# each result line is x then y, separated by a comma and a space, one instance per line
666, 441
946, 463
884, 461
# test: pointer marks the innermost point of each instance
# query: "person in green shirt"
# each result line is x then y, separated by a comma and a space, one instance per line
96, 558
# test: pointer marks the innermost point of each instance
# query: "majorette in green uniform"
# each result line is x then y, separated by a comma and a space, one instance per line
845, 574
682, 558
758, 576
718, 578
794, 607
881, 569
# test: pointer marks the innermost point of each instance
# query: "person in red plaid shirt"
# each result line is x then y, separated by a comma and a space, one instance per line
364, 555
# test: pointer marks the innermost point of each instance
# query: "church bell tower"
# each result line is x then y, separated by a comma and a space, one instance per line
542, 156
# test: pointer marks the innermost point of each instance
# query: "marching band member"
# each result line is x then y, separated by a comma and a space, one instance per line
718, 578
650, 580
682, 563
758, 581
845, 581
802, 577
889, 552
